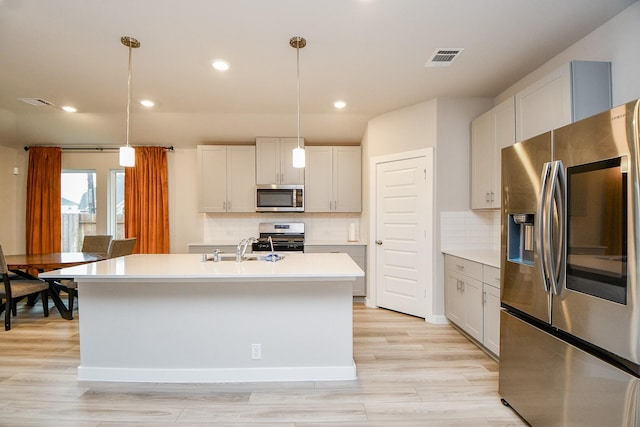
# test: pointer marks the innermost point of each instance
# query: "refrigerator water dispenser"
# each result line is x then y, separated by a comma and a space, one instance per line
520, 238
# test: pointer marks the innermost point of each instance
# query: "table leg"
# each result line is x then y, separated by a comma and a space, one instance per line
54, 293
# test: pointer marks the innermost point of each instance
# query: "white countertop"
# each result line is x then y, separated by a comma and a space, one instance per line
306, 243
486, 257
189, 267
334, 243
216, 243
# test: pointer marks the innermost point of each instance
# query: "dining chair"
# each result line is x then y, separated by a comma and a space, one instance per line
92, 243
116, 248
96, 243
17, 288
121, 247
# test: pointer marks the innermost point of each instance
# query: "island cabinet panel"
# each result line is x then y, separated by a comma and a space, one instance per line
490, 133
226, 178
176, 318
333, 179
356, 252
576, 90
274, 161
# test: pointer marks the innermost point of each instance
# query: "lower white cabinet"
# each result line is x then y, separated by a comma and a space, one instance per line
356, 252
472, 300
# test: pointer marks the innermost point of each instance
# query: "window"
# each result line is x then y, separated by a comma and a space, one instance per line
78, 207
115, 225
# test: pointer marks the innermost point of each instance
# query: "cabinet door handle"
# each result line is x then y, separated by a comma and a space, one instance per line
492, 196
229, 206
379, 242
460, 267
484, 297
224, 205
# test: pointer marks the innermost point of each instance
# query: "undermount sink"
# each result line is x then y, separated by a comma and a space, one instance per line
251, 257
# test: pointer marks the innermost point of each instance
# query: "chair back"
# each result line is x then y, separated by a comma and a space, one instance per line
96, 243
3, 263
121, 247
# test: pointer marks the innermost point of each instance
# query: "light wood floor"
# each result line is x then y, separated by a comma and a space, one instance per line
410, 373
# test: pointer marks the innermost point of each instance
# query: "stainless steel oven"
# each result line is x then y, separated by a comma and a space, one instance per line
280, 237
280, 198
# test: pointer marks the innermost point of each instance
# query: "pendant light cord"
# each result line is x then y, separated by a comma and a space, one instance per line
298, 83
129, 93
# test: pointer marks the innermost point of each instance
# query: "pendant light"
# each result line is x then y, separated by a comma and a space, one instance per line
127, 153
298, 152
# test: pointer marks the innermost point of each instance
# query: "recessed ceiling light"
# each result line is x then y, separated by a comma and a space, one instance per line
147, 103
339, 104
220, 65
69, 109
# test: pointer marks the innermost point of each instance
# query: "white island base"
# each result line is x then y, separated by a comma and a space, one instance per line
218, 326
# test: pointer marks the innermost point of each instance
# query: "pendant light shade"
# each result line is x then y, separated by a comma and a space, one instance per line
127, 156
298, 157
127, 153
298, 152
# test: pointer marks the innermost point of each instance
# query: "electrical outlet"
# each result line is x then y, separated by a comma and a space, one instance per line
256, 351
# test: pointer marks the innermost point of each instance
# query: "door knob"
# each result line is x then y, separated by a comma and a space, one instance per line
378, 242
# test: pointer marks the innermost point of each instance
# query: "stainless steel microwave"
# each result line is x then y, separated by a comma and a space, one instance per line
280, 198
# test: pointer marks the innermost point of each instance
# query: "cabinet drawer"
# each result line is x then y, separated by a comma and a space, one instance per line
491, 275
464, 266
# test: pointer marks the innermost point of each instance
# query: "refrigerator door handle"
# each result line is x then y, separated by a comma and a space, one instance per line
557, 255
542, 226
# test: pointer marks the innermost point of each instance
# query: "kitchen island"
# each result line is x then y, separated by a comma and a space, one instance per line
175, 318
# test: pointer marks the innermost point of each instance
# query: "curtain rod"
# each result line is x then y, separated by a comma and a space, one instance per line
26, 148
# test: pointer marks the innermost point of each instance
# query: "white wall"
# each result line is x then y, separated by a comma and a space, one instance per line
13, 189
445, 125
618, 41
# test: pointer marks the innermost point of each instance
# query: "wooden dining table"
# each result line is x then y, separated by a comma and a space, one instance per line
24, 264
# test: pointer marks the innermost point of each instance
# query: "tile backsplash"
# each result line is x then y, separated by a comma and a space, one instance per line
470, 230
318, 227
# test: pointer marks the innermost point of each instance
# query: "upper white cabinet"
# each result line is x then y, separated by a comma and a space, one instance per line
333, 179
274, 161
576, 90
490, 133
226, 178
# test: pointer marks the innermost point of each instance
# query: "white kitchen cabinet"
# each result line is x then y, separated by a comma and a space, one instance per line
226, 178
454, 296
356, 252
490, 133
491, 309
472, 300
274, 161
333, 179
574, 91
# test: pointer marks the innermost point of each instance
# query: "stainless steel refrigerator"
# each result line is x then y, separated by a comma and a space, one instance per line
570, 319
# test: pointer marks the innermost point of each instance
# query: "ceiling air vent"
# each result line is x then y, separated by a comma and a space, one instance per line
443, 57
37, 102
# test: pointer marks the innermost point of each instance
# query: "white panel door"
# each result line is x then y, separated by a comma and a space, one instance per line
403, 261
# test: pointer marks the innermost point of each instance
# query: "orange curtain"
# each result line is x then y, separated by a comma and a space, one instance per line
43, 222
146, 201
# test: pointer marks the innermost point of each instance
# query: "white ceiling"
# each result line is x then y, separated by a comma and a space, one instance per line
369, 53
